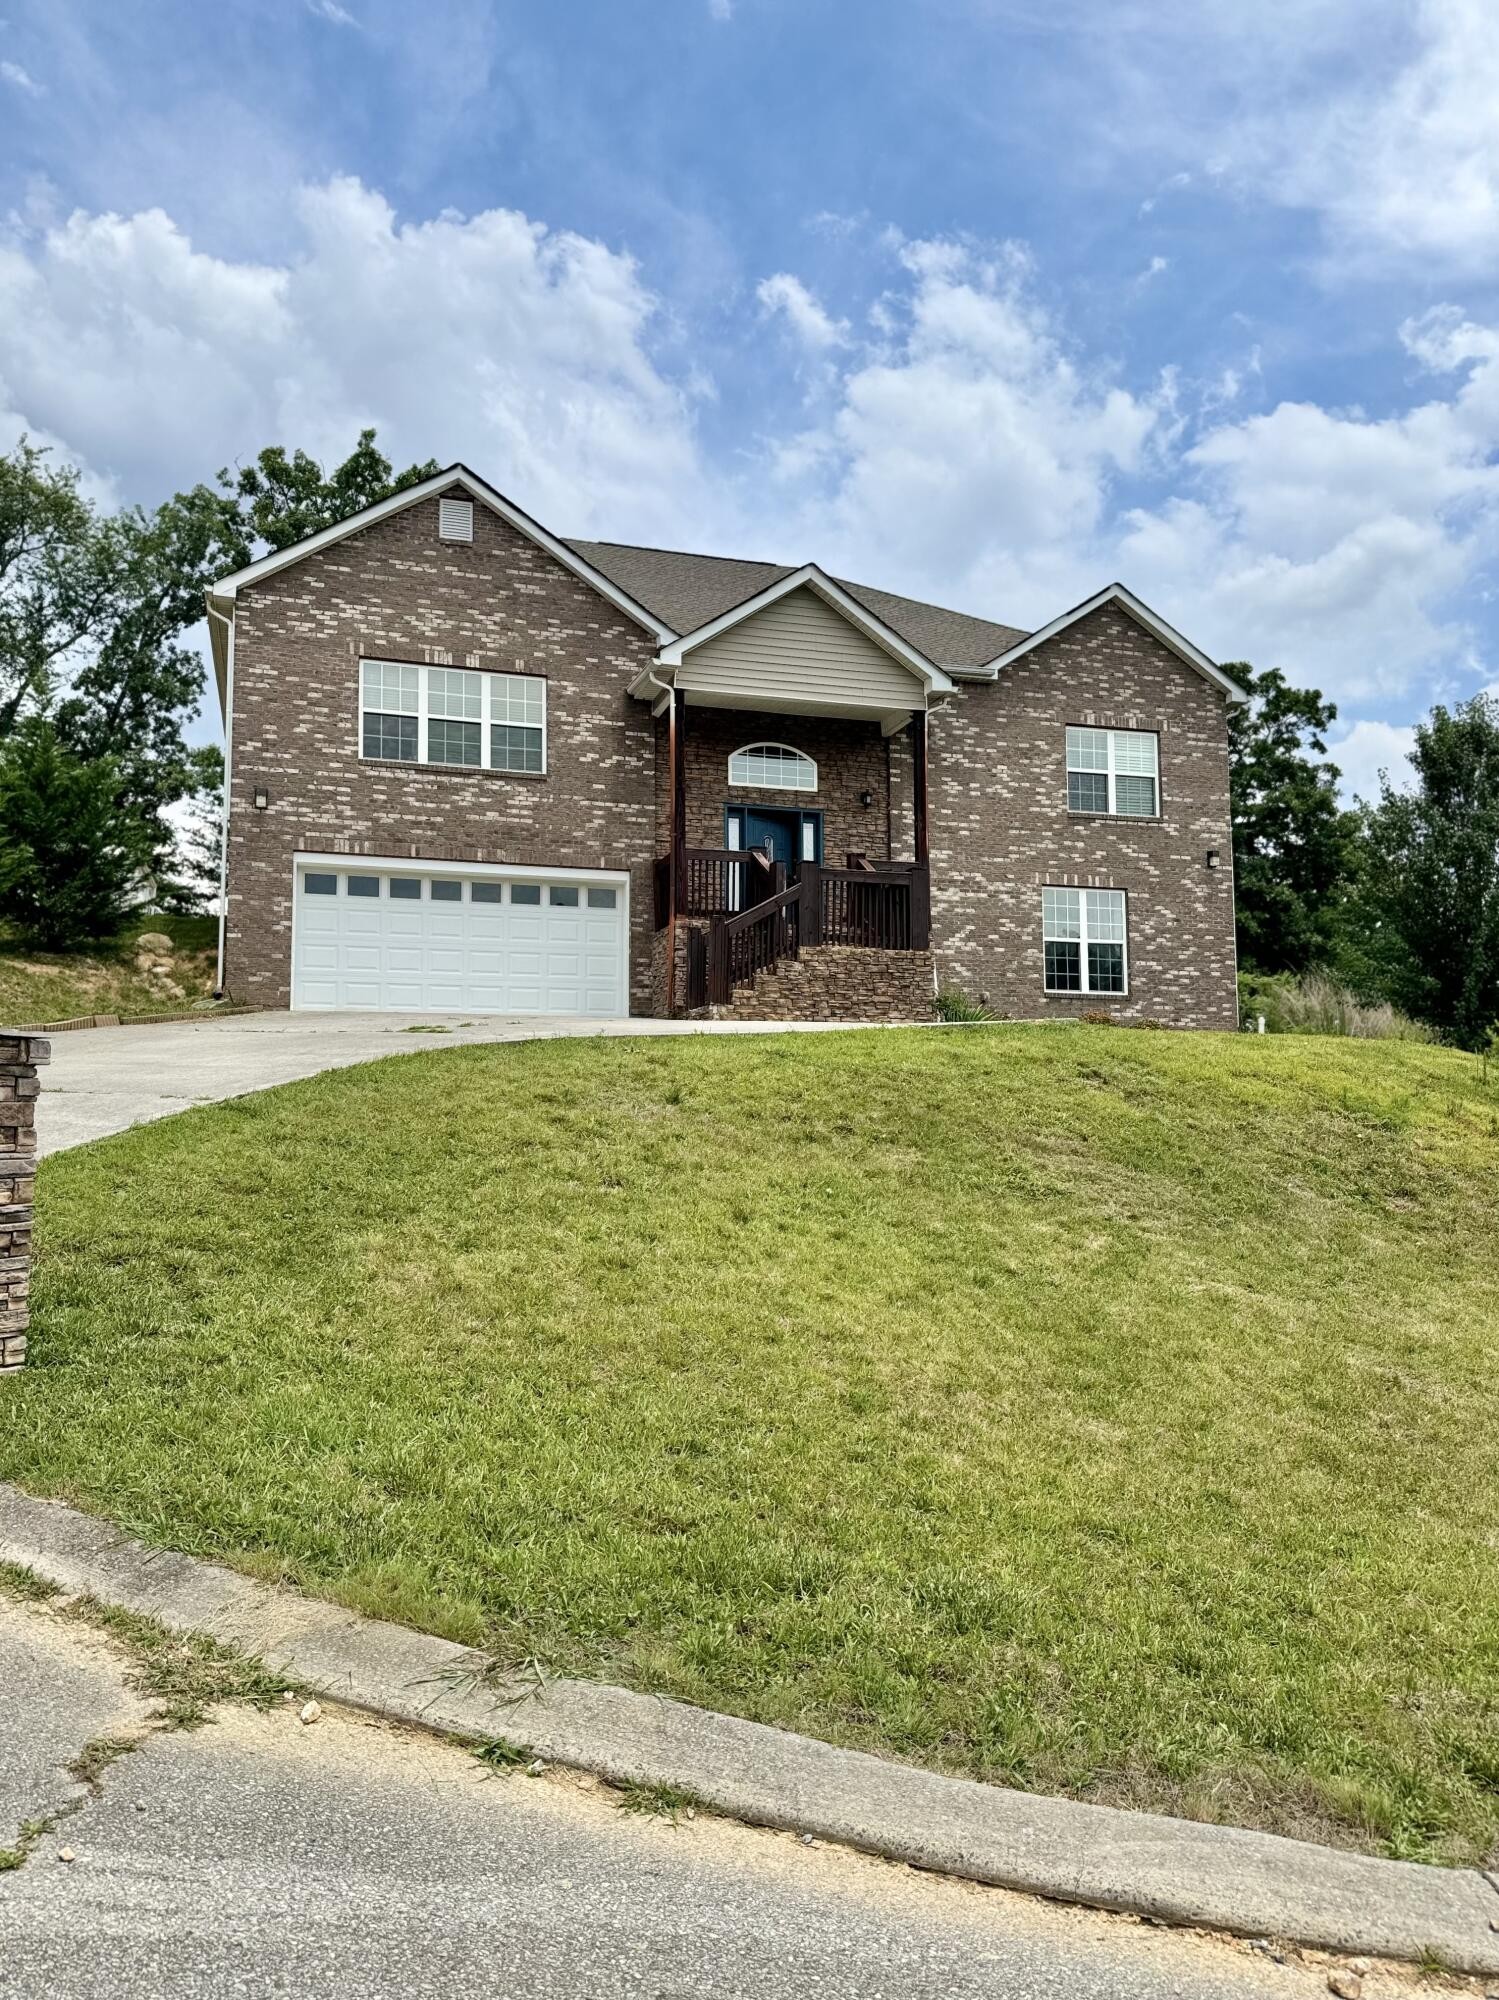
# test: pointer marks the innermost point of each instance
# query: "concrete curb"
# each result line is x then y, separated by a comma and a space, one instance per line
1223, 1878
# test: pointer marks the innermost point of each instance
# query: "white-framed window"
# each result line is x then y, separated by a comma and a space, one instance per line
452, 717
1084, 934
773, 767
1113, 771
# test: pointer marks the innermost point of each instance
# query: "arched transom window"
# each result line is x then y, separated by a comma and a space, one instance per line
773, 766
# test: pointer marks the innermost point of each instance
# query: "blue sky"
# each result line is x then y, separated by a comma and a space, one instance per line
989, 302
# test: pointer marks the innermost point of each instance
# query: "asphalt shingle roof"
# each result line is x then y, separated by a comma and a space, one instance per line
687, 590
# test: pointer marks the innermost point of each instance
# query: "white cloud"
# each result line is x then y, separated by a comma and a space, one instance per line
970, 455
815, 328
965, 449
969, 452
721, 10
1366, 749
1377, 115
329, 10
21, 79
488, 337
1410, 163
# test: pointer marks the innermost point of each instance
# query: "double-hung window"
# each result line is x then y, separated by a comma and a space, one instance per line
1084, 936
452, 717
1113, 771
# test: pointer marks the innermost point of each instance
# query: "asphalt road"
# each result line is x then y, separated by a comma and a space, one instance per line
261, 1856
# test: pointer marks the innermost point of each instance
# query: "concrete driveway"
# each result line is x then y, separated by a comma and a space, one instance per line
103, 1079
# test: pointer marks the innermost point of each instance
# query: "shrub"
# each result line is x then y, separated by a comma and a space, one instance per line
1317, 1004
73, 856
955, 1005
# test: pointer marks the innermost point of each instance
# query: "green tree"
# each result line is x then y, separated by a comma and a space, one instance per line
285, 496
55, 578
97, 611
1294, 844
1430, 894
74, 852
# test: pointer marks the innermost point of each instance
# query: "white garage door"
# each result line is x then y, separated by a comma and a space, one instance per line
377, 934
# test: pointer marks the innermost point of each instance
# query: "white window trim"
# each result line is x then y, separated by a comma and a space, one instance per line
1082, 942
790, 749
424, 671
1112, 811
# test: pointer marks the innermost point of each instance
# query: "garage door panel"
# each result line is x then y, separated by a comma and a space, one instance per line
416, 954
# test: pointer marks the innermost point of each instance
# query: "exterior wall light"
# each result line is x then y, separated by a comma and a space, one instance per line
263, 799
1212, 857
866, 799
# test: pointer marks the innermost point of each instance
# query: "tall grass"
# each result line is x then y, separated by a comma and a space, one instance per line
1317, 1004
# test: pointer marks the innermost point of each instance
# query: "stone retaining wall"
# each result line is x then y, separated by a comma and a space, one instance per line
839, 982
21, 1056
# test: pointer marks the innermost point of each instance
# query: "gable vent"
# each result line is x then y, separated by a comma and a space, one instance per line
455, 520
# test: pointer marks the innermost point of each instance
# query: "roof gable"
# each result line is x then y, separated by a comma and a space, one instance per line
810, 578
226, 589
1149, 621
690, 590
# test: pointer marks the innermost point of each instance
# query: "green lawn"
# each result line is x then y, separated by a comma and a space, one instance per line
1091, 1410
57, 986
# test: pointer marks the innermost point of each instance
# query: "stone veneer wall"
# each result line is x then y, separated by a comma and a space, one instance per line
851, 759
1001, 829
839, 982
394, 591
20, 1058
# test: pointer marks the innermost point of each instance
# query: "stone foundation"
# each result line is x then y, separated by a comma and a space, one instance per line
838, 982
20, 1058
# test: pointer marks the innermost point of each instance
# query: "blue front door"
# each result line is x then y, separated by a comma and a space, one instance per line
776, 831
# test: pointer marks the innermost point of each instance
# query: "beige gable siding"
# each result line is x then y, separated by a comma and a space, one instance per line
800, 651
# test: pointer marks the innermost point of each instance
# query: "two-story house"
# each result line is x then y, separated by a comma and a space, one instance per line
476, 767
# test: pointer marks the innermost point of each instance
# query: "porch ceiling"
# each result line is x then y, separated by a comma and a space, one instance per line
891, 716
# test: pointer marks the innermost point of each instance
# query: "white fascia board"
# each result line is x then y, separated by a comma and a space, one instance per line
1115, 593
227, 587
810, 577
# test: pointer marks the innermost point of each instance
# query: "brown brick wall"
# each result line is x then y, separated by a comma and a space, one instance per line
394, 591
1001, 828
1000, 825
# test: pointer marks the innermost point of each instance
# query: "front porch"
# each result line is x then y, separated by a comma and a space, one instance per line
781, 881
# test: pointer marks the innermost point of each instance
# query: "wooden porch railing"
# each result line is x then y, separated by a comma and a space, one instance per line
714, 882
883, 906
753, 941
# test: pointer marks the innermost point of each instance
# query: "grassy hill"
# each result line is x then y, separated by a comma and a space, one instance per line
58, 986
1090, 1410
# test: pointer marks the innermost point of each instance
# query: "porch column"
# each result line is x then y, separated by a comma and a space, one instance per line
676, 866
919, 786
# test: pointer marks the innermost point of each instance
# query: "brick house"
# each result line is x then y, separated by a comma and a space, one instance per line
475, 767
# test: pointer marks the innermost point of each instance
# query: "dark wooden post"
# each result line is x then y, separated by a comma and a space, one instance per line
921, 908
810, 919
919, 787
676, 858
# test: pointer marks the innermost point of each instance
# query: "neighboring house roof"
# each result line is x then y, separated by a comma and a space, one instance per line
690, 591
1150, 621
